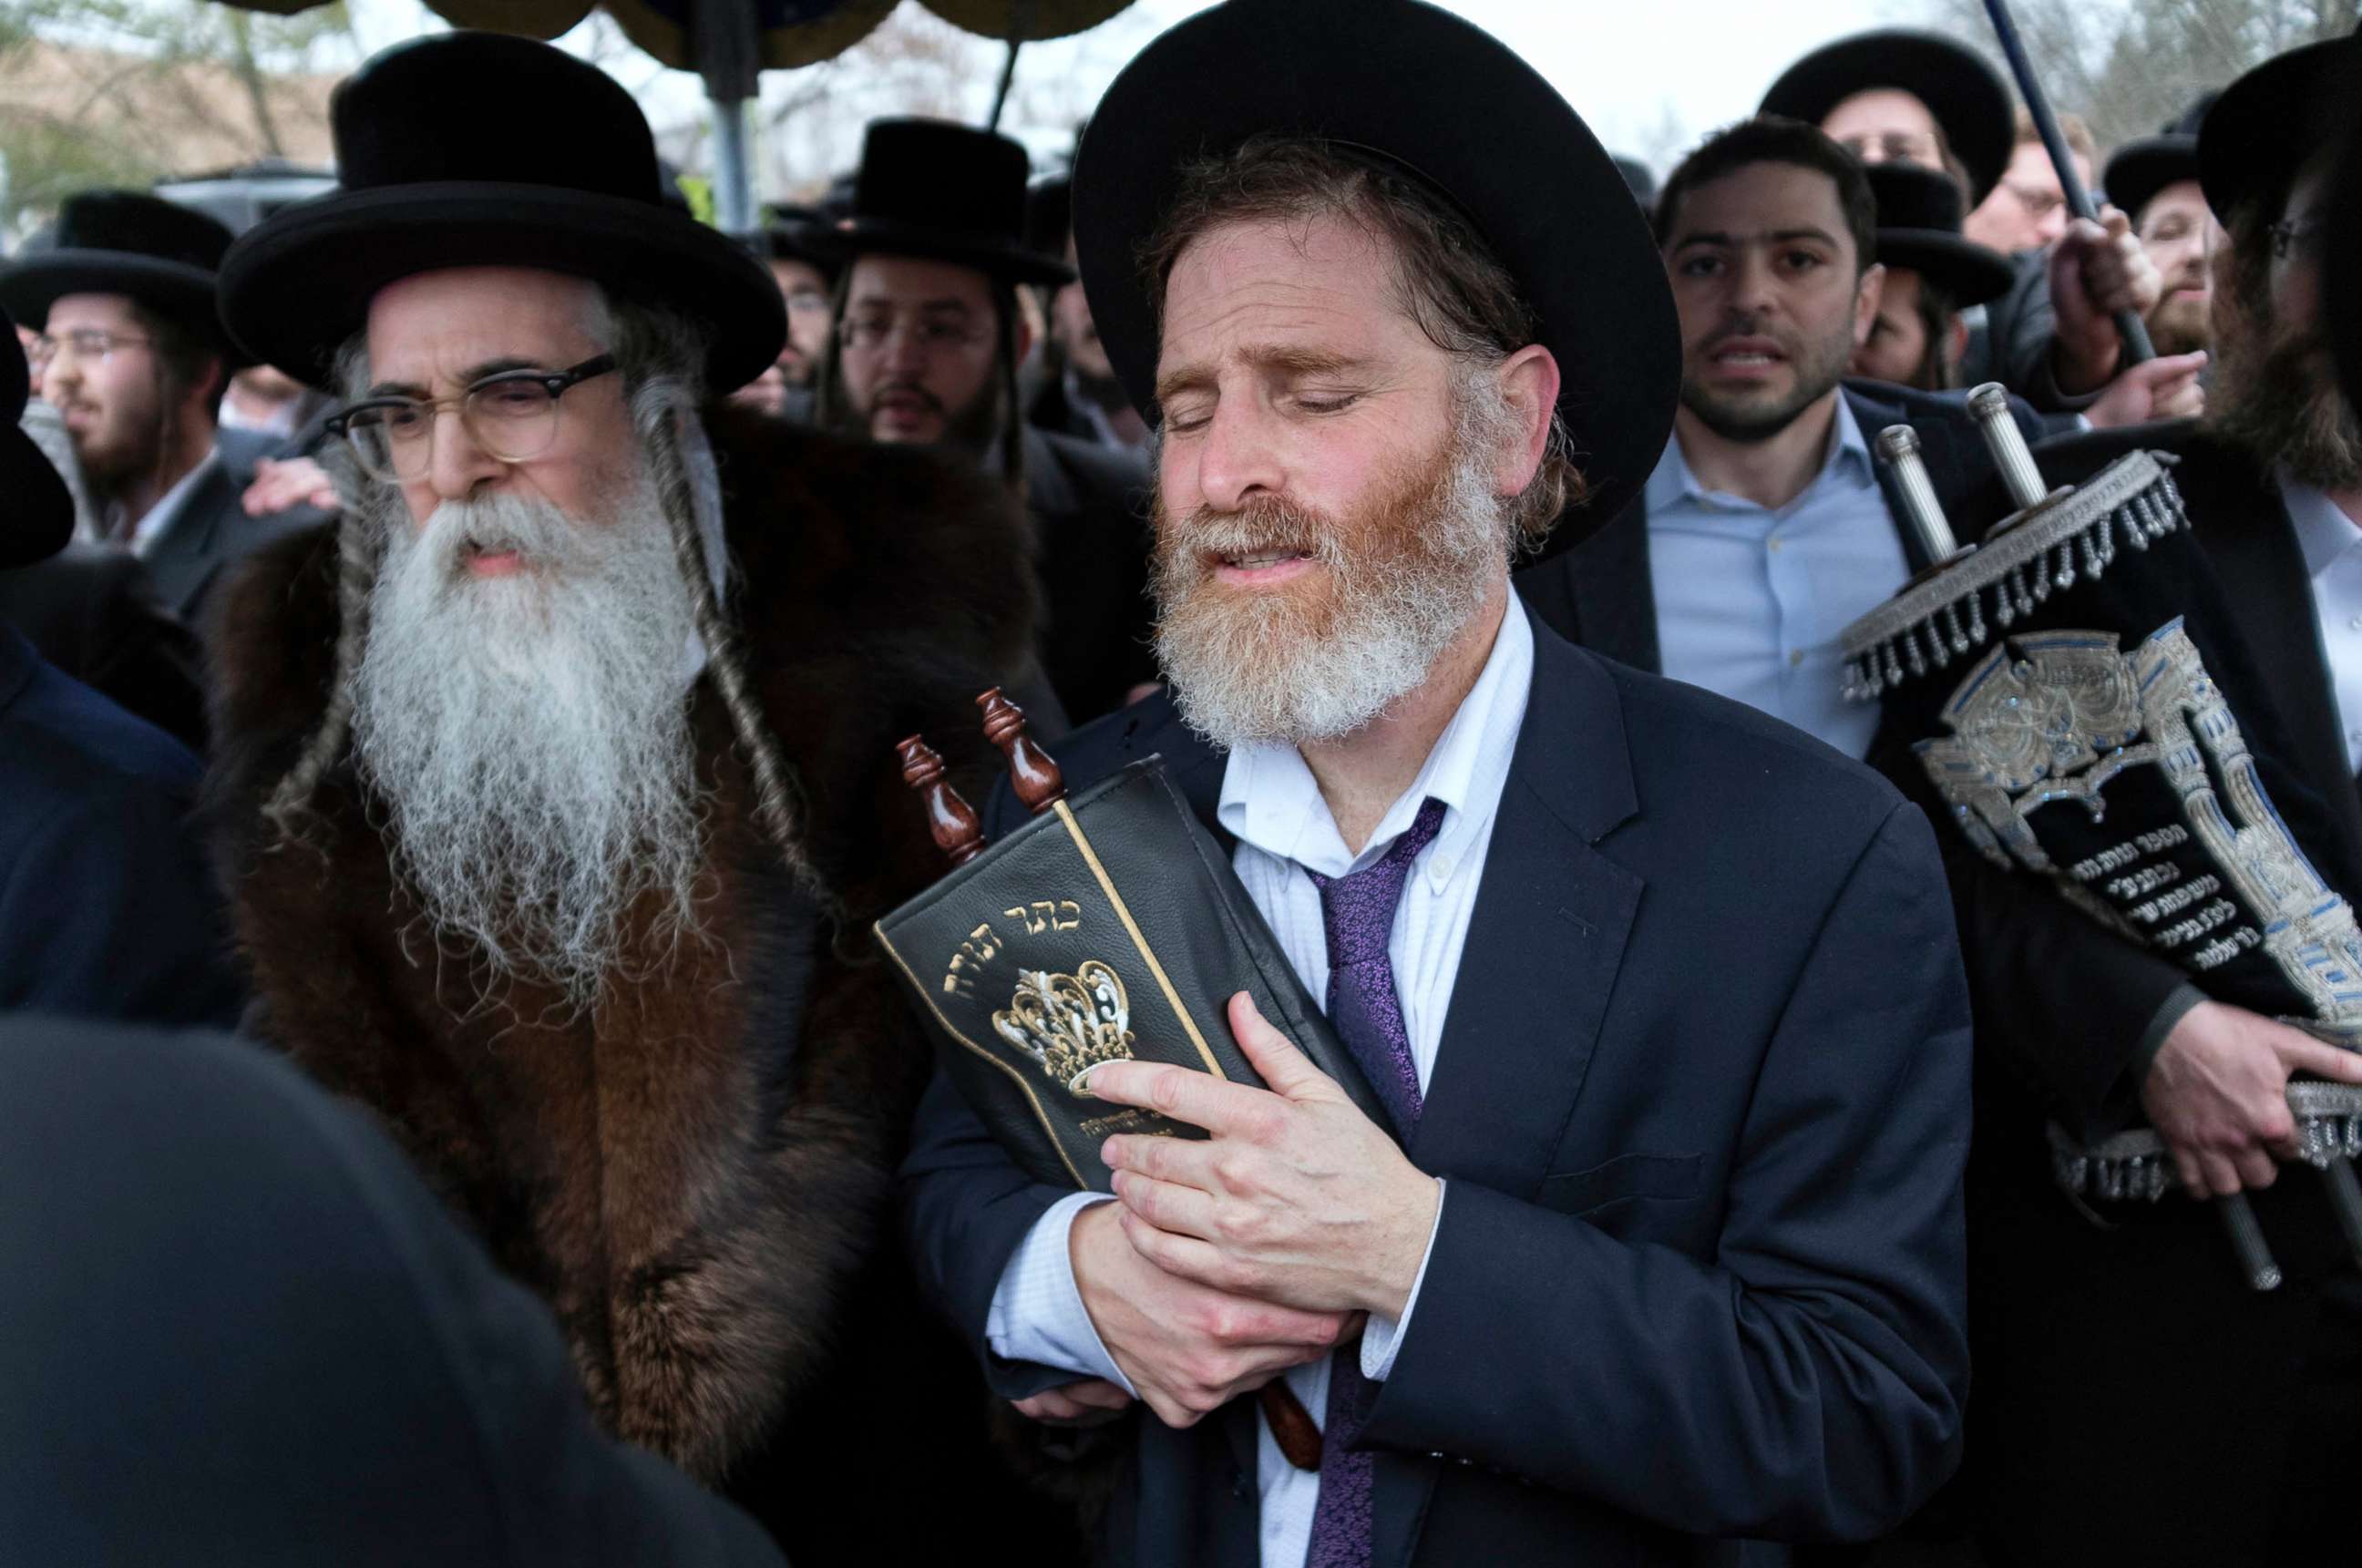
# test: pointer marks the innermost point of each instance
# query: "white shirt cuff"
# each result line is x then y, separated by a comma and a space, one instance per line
1382, 1337
1037, 1311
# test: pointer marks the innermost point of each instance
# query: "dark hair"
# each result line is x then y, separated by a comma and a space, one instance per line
1936, 309
1769, 138
186, 356
1446, 278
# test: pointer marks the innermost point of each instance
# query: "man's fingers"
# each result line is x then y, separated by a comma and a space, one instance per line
1200, 1099
1183, 1257
1275, 1058
2319, 1057
1086, 1403
2221, 1178
2257, 1170
1185, 1162
1179, 1211
2185, 1165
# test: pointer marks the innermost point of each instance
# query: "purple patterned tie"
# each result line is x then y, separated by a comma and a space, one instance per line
1366, 1011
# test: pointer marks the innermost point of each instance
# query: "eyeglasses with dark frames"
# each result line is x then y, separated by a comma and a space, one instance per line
512, 415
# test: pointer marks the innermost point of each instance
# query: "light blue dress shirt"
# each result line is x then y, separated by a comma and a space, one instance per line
2332, 543
1750, 601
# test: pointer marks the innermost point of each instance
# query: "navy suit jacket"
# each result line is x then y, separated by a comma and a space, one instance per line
1702, 1106
107, 906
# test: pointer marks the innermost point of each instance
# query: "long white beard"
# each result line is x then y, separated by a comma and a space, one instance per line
1260, 668
529, 733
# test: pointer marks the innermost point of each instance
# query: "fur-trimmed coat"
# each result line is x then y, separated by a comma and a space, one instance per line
695, 1173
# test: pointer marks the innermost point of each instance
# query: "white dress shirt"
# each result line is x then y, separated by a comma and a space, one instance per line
2332, 543
1273, 806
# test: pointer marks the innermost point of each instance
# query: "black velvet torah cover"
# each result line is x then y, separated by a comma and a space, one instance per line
1109, 927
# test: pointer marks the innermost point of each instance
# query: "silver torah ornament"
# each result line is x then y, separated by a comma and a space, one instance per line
2050, 718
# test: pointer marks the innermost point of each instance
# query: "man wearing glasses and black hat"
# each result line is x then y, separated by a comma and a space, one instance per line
133, 356
928, 343
1660, 1243
2141, 1402
554, 773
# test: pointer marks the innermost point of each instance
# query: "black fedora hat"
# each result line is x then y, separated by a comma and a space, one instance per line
948, 192
791, 233
1967, 97
2138, 170
35, 510
1393, 80
158, 253
2272, 121
476, 149
1919, 230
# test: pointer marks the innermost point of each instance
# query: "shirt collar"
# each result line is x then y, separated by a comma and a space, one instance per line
2324, 532
1271, 801
1847, 459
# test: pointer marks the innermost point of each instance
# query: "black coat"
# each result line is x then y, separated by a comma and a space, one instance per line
92, 613
107, 906
1090, 508
1599, 594
2132, 1393
1697, 1271
210, 530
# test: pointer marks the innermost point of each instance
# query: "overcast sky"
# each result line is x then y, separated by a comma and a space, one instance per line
1642, 72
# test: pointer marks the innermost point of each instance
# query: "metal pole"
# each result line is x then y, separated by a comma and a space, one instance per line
1008, 75
2137, 349
734, 185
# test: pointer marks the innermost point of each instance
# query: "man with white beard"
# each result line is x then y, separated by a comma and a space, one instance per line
1662, 1239
555, 778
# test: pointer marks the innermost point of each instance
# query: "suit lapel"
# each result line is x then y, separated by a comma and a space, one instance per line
186, 552
1599, 594
1544, 945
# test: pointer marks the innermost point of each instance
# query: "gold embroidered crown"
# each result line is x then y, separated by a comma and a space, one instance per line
1068, 1023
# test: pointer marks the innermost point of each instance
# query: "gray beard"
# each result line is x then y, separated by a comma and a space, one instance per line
529, 733
1255, 668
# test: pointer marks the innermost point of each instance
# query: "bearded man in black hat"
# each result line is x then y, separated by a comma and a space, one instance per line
929, 338
134, 357
107, 907
1638, 1264
2156, 180
2137, 1400
555, 777
794, 244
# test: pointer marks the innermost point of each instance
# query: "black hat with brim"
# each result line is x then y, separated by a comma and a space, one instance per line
945, 191
1969, 272
1393, 80
160, 255
1964, 93
1919, 230
35, 510
2138, 171
2271, 122
427, 189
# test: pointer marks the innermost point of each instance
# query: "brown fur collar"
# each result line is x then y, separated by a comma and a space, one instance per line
693, 1173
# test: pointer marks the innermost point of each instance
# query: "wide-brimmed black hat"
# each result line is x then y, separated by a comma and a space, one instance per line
1392, 81
158, 253
791, 233
948, 192
1050, 213
2138, 170
1919, 230
1967, 97
476, 149
2269, 123
35, 510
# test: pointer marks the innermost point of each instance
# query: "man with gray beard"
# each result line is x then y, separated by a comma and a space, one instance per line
556, 778
1659, 1245
2088, 1028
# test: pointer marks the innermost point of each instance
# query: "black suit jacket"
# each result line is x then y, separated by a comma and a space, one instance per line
92, 613
210, 530
1701, 1106
1090, 507
1599, 594
2130, 1317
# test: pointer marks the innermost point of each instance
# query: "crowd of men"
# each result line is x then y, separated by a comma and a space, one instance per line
454, 636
